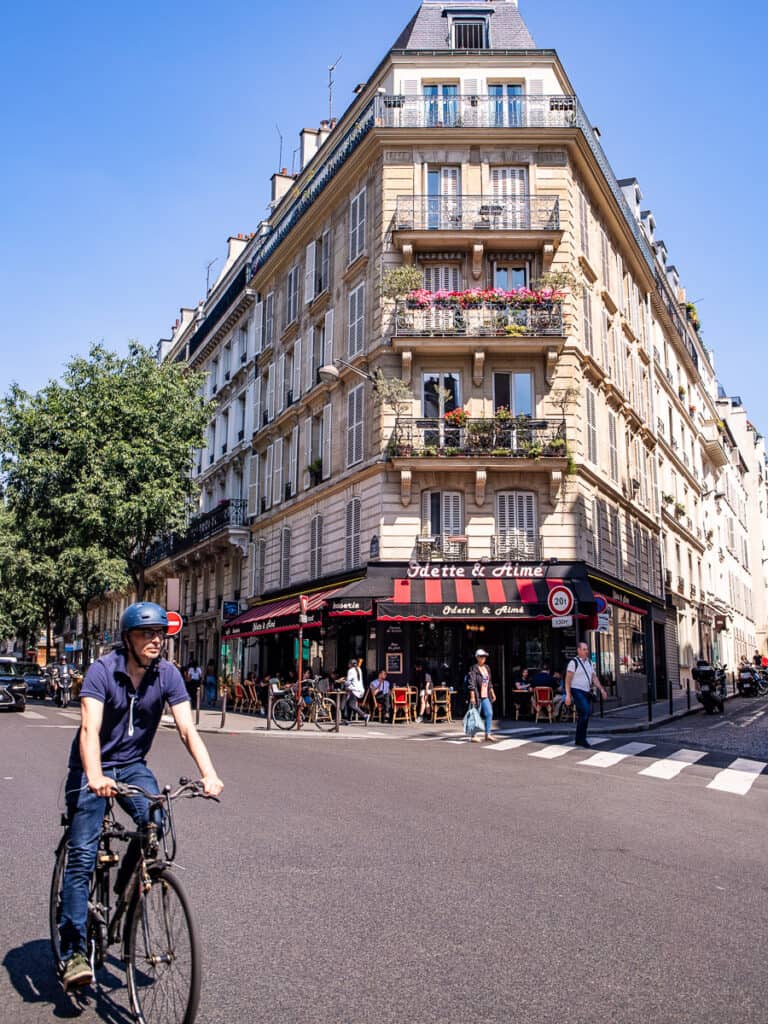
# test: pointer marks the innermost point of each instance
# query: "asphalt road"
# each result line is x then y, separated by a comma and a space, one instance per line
359, 879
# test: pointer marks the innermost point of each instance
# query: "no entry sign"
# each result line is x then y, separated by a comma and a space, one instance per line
175, 622
560, 601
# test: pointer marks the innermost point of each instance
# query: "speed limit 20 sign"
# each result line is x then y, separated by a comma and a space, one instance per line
560, 600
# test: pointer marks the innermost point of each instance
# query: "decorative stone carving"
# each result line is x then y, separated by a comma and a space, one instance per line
555, 483
406, 483
407, 361
477, 261
481, 479
478, 367
548, 254
408, 254
549, 370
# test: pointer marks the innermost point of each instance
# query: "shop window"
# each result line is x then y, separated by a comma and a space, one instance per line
631, 642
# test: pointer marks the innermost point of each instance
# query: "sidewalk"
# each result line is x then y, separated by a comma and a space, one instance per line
616, 720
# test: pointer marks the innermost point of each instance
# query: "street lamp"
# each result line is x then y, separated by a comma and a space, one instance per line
330, 373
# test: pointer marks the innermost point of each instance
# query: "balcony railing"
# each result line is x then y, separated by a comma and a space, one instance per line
477, 213
491, 321
510, 546
475, 111
227, 514
441, 548
519, 437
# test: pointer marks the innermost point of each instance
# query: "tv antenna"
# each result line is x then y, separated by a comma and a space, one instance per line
331, 83
208, 274
280, 161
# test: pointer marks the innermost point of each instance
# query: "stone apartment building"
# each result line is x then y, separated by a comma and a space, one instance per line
555, 392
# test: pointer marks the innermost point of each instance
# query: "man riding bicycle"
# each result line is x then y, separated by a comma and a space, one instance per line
121, 703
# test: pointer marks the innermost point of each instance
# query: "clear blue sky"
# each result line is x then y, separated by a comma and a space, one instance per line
137, 137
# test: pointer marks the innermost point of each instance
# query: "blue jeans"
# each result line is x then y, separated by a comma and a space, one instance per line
86, 813
583, 704
486, 710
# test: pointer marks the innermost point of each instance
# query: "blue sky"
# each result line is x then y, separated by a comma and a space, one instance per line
138, 137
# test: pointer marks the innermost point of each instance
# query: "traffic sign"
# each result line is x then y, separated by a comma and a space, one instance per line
562, 621
175, 624
560, 601
601, 605
303, 603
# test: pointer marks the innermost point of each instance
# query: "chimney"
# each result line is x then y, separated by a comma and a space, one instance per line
281, 182
235, 245
309, 141
322, 135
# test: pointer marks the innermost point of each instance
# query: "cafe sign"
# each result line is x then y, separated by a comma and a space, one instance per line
475, 571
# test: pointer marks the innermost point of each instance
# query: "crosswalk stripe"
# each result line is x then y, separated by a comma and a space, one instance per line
738, 777
609, 758
561, 749
32, 714
509, 744
670, 767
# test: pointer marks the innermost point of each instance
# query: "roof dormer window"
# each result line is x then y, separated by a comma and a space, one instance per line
470, 34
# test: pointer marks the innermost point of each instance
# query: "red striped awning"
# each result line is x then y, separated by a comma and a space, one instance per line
422, 600
277, 616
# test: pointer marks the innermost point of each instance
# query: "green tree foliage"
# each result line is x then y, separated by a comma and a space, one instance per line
97, 464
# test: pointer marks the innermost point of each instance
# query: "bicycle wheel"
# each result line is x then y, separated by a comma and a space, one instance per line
162, 954
324, 713
54, 902
284, 713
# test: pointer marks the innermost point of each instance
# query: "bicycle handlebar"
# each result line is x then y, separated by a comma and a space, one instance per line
188, 786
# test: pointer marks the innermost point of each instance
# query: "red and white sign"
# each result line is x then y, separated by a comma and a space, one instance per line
175, 624
303, 603
560, 601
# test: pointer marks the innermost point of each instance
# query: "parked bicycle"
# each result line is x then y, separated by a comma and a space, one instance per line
316, 707
150, 917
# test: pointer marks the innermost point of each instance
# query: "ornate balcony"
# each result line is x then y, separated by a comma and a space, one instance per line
441, 548
227, 515
476, 111
477, 213
518, 437
512, 546
538, 320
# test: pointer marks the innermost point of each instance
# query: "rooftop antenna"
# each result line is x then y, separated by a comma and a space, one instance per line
280, 161
293, 159
208, 274
331, 83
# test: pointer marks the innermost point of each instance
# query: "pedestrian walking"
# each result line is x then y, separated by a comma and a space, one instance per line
481, 693
580, 677
193, 678
210, 684
355, 691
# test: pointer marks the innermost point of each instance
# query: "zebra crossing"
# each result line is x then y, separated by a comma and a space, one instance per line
736, 777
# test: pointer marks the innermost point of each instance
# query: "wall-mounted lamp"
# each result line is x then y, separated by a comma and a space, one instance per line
330, 373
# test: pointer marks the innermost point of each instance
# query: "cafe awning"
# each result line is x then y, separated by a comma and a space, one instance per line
280, 616
422, 600
357, 598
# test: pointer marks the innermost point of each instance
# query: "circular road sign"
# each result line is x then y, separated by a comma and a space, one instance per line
175, 622
560, 601
601, 605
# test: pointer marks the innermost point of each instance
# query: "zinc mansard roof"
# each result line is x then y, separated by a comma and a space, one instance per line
429, 27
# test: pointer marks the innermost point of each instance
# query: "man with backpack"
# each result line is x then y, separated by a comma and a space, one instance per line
580, 677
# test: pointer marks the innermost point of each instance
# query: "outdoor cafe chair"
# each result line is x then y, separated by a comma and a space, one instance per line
401, 704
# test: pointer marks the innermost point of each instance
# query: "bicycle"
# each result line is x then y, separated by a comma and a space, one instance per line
151, 917
316, 707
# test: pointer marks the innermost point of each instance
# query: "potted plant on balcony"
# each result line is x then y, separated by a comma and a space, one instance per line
531, 449
456, 418
515, 330
315, 470
667, 498
681, 391
419, 298
679, 509
503, 416
557, 446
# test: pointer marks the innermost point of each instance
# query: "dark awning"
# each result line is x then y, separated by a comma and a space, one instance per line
421, 600
357, 598
277, 616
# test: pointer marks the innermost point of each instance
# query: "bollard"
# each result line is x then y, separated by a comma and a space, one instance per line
602, 706
197, 704
650, 705
671, 697
688, 693
224, 707
269, 708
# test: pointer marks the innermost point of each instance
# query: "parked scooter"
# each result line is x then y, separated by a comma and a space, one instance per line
710, 687
748, 682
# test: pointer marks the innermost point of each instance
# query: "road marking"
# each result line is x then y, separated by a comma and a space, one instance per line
609, 758
514, 732
33, 714
739, 777
561, 749
69, 714
751, 719
508, 744
670, 767
7, 778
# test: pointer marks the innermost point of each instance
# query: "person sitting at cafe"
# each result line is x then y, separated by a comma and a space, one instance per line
423, 682
558, 686
521, 681
381, 689
543, 677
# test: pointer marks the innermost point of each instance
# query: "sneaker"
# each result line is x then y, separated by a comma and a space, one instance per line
477, 738
419, 719
367, 719
77, 972
490, 739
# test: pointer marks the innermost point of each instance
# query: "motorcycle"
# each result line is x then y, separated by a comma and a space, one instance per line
710, 687
748, 682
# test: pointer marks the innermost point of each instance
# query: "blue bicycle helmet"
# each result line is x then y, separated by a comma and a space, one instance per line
143, 615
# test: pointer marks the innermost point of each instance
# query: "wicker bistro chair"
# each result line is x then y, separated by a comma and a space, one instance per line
441, 704
543, 701
401, 705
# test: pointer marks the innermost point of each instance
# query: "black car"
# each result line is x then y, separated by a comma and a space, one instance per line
37, 682
13, 689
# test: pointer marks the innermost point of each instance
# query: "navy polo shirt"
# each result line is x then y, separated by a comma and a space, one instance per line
131, 716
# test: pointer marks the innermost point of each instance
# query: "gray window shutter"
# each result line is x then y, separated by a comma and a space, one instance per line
327, 450
294, 466
253, 487
297, 370
309, 273
257, 404
281, 383
452, 516
268, 466
258, 327
309, 381
328, 358
307, 449
277, 472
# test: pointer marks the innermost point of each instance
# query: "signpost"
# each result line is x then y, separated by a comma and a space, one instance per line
303, 606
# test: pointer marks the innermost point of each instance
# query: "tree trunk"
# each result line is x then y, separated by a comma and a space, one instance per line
48, 636
86, 635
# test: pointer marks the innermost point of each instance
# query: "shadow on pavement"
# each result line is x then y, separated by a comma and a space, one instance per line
30, 969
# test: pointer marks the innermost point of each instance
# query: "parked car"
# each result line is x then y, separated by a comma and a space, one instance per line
37, 682
13, 689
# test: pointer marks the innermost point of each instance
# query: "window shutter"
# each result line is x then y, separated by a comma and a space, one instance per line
328, 357
297, 370
502, 514
249, 396
271, 391
285, 557
449, 182
326, 454
269, 462
471, 87
307, 450
588, 321
309, 273
355, 426
453, 520
281, 382
410, 87
257, 404
277, 472
352, 552
536, 105
309, 380
427, 528
232, 427
316, 547
253, 486
294, 460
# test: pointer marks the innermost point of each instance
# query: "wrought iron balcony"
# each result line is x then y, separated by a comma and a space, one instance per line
476, 111
442, 548
477, 213
491, 321
517, 437
230, 513
511, 546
